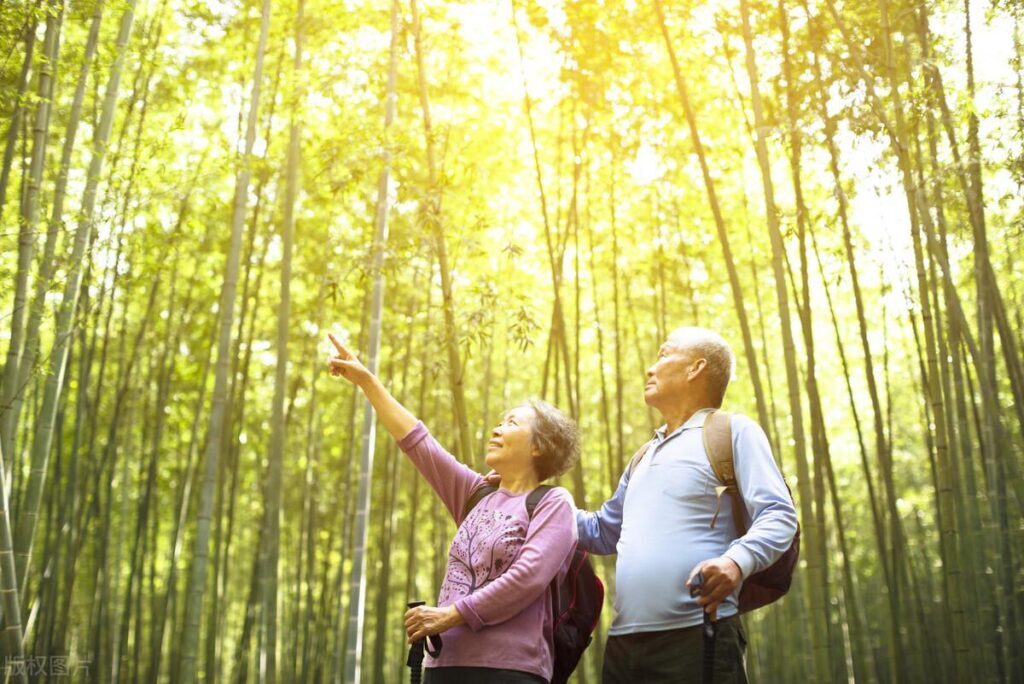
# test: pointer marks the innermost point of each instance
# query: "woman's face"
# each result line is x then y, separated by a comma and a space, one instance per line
511, 445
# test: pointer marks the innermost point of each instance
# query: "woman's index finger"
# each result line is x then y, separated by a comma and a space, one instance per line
339, 346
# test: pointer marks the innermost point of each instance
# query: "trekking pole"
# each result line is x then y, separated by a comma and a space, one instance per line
415, 659
710, 632
709, 629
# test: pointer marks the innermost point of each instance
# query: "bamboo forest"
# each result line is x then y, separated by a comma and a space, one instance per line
491, 201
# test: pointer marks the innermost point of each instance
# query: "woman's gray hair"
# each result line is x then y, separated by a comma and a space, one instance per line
556, 438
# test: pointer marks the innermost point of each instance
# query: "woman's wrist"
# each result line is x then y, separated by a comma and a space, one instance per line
370, 384
453, 617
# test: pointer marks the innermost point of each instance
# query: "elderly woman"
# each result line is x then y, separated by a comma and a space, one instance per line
494, 607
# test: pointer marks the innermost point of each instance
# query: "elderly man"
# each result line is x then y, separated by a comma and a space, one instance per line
659, 522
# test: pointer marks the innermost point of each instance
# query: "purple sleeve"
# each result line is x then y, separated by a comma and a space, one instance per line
550, 540
453, 481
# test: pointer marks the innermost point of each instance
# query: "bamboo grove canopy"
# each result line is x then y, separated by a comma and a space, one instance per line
497, 199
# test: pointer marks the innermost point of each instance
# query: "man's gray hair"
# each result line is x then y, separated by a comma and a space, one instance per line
708, 344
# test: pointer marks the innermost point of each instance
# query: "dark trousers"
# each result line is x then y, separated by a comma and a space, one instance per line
478, 675
675, 656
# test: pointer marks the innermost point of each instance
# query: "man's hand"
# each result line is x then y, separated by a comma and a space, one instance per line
721, 577
424, 621
346, 365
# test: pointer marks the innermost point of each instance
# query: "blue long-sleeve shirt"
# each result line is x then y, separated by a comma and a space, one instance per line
659, 523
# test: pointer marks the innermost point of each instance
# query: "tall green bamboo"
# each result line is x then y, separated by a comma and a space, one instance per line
14, 654
819, 431
817, 587
47, 265
723, 236
913, 408
945, 493
12, 388
357, 584
433, 221
278, 420
28, 515
896, 652
197, 577
14, 127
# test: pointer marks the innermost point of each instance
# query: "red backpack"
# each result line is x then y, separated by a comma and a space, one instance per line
772, 583
576, 601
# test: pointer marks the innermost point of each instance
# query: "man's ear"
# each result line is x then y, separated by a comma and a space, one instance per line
696, 368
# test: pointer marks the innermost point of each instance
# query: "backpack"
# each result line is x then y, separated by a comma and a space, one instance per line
765, 586
576, 600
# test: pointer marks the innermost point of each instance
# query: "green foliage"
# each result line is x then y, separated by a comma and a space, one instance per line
626, 221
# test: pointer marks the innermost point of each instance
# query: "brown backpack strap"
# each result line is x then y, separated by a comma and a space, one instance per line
637, 457
718, 445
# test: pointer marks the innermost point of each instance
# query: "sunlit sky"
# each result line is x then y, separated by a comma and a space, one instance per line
487, 39
878, 208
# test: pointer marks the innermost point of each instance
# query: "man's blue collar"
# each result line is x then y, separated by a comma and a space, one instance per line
694, 421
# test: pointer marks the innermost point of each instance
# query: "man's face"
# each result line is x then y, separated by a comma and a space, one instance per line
668, 378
